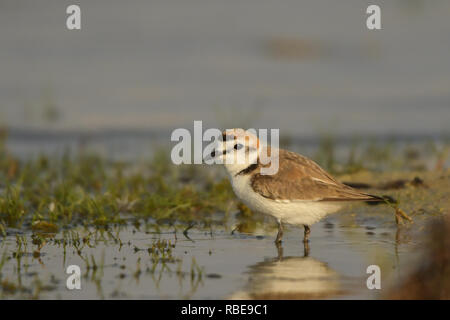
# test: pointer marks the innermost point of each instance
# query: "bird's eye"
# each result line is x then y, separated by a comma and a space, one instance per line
238, 146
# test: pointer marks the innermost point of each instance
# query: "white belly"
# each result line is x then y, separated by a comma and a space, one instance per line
290, 212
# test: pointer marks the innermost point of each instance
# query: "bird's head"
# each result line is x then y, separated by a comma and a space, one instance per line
236, 149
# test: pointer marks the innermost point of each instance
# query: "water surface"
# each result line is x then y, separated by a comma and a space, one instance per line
215, 264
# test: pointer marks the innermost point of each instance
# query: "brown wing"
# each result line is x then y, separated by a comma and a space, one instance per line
300, 178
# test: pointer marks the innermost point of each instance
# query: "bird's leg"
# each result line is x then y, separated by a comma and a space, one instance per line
305, 249
306, 241
279, 250
306, 234
280, 232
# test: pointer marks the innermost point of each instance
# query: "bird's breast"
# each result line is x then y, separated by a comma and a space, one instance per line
293, 212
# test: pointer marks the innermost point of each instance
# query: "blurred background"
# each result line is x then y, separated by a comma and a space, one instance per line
138, 69
86, 118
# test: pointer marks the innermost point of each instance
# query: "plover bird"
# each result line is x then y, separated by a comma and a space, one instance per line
299, 193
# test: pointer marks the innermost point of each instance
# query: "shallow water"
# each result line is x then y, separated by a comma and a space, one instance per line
215, 264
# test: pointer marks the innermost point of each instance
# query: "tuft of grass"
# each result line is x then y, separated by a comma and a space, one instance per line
45, 194
12, 207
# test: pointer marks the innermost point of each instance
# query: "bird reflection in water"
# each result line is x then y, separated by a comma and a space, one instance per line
290, 278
